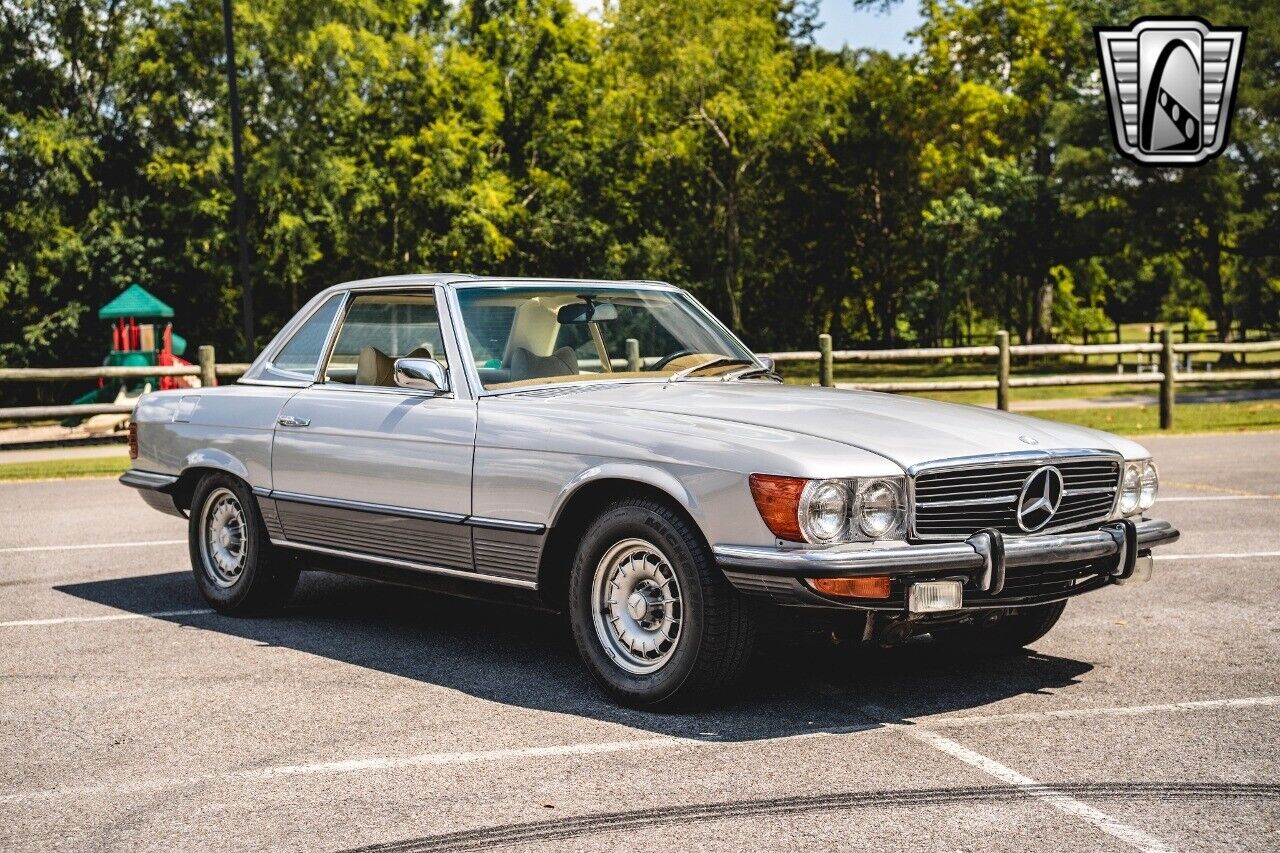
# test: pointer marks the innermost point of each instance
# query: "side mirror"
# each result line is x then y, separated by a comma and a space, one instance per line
769, 364
422, 374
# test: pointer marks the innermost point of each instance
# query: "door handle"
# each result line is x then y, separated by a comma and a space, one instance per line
291, 421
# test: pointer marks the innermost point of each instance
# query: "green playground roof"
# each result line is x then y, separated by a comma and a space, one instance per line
134, 302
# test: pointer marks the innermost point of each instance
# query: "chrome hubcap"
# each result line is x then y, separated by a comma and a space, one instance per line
636, 606
223, 545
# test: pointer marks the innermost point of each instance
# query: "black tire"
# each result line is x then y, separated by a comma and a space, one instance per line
263, 578
1010, 633
716, 627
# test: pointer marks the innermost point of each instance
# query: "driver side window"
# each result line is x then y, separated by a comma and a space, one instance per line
380, 328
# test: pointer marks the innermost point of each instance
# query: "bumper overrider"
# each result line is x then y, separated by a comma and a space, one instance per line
984, 571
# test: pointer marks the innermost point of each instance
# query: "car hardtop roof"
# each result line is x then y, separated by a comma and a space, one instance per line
469, 281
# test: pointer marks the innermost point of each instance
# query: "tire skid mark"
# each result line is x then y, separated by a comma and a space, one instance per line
509, 835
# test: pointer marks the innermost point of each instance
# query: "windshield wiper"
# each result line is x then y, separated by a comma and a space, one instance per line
752, 370
715, 362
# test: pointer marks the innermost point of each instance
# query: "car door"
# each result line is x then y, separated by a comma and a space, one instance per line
361, 466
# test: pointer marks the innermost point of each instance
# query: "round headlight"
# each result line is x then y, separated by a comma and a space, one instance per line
824, 511
1150, 485
880, 508
1131, 488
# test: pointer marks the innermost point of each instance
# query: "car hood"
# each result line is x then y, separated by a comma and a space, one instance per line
907, 430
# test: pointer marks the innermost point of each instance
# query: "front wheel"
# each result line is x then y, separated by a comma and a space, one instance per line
654, 620
236, 568
1008, 634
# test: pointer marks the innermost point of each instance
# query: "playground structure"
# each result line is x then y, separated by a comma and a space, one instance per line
137, 340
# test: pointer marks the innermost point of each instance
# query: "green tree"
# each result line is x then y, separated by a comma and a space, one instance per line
706, 92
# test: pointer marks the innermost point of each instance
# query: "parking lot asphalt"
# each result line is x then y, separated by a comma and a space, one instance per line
132, 718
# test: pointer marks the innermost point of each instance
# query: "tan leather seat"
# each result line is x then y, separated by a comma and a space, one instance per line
526, 365
375, 367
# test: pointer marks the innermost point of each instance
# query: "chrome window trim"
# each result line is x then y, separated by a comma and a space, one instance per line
437, 292
276, 383
462, 348
395, 283
382, 389
1008, 460
265, 362
519, 281
597, 383
331, 339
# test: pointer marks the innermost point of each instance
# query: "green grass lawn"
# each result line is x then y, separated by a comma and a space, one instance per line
1247, 416
979, 398
62, 469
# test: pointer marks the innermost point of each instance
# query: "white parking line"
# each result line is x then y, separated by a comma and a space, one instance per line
402, 762
1239, 555
114, 617
1075, 713
442, 759
1064, 803
88, 547
1199, 498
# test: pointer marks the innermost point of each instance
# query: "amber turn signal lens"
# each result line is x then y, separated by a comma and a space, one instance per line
872, 587
778, 499
133, 440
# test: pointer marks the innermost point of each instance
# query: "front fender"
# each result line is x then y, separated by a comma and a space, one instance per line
633, 472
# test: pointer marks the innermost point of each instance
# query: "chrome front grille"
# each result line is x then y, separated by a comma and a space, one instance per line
956, 501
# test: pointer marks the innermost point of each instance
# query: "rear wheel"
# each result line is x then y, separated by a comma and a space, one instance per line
236, 568
656, 623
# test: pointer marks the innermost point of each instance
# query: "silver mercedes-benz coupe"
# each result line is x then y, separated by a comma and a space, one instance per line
609, 449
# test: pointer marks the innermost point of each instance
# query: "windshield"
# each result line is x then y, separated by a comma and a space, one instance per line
535, 335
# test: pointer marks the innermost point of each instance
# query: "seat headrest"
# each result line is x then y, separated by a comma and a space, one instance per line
526, 365
375, 367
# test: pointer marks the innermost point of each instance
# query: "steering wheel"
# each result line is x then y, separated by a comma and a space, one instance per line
667, 359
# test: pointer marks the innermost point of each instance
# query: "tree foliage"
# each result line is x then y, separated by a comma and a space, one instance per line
966, 185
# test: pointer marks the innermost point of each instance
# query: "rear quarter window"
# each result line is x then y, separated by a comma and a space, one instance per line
302, 353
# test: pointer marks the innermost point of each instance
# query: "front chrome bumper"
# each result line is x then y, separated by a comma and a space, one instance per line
983, 560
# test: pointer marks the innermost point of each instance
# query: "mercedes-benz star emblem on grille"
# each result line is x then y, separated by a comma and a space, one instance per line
1170, 85
1040, 497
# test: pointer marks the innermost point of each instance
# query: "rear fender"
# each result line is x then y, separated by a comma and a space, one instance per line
219, 460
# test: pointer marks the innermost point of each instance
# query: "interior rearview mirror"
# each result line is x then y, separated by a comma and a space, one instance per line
586, 312
422, 374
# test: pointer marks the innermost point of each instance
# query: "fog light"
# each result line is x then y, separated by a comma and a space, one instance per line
872, 587
1141, 571
934, 596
